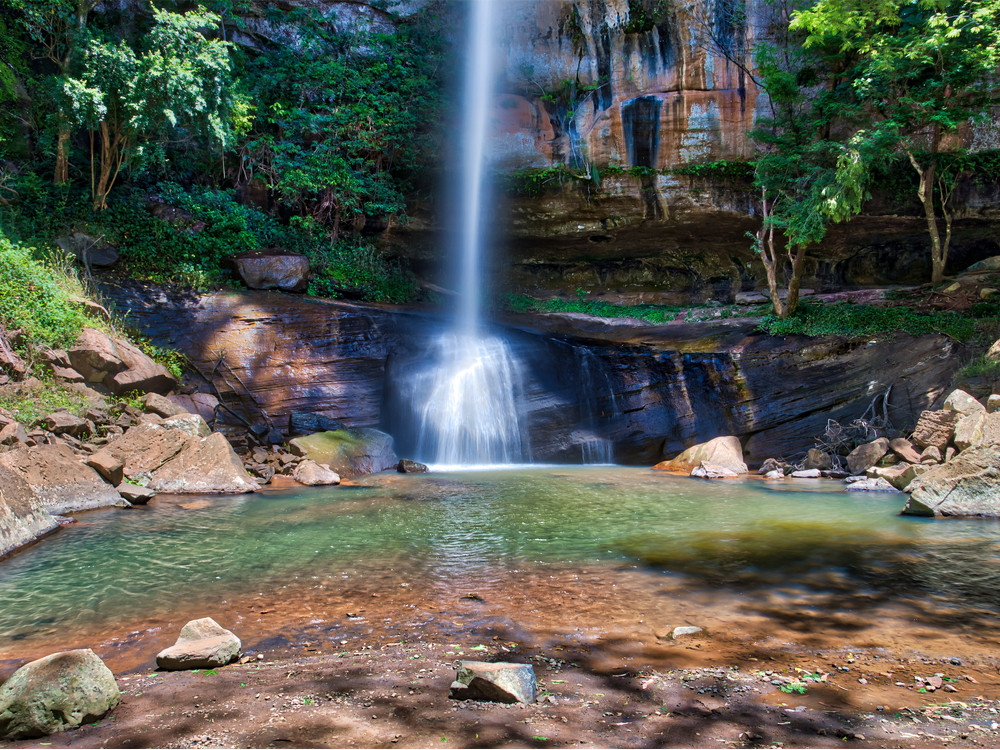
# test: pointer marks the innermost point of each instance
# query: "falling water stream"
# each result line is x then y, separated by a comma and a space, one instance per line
466, 397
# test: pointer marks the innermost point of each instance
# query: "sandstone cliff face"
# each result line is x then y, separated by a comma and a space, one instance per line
650, 84
648, 391
663, 84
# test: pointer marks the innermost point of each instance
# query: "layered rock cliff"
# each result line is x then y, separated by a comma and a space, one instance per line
650, 391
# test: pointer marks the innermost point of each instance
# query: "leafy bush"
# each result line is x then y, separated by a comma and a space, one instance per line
650, 313
845, 319
37, 297
29, 405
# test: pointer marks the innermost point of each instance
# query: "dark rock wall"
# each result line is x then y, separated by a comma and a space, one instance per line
651, 391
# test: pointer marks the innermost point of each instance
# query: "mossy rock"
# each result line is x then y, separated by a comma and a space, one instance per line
350, 453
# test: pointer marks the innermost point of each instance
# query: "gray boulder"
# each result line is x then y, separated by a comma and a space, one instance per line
273, 269
56, 693
968, 485
502, 682
89, 251
23, 518
876, 484
817, 459
202, 644
867, 455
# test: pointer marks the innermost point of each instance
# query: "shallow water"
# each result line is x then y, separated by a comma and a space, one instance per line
455, 531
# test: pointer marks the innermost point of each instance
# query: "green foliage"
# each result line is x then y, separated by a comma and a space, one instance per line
982, 367
37, 297
651, 313
342, 129
644, 15
845, 319
358, 267
29, 405
738, 171
798, 688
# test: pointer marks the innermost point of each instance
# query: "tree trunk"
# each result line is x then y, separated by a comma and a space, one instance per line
798, 260
925, 191
769, 257
62, 155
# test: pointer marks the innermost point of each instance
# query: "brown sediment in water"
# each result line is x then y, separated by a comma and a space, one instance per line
366, 660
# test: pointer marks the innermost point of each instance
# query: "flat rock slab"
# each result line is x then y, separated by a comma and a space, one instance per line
135, 494
503, 682
202, 644
56, 693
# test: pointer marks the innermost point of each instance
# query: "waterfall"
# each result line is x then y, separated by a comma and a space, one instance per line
465, 401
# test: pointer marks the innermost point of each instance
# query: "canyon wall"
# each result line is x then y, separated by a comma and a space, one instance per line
651, 391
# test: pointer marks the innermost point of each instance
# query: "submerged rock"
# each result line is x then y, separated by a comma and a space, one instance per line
503, 682
877, 484
683, 630
202, 644
348, 452
725, 452
56, 693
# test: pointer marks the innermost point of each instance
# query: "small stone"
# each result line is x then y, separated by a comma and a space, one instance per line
807, 474
930, 455
952, 288
64, 423
682, 630
109, 467
161, 405
776, 474
993, 403
986, 292
503, 682
870, 485
202, 644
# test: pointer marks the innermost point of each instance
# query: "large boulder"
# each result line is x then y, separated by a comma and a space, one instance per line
23, 519
207, 465
504, 682
935, 428
61, 482
118, 365
89, 251
968, 485
817, 459
867, 455
180, 455
202, 644
350, 453
313, 474
904, 449
962, 402
273, 268
725, 452
969, 430
56, 693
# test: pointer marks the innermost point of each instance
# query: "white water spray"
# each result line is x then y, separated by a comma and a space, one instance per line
467, 400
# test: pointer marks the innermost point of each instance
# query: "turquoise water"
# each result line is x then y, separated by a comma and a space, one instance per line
116, 565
